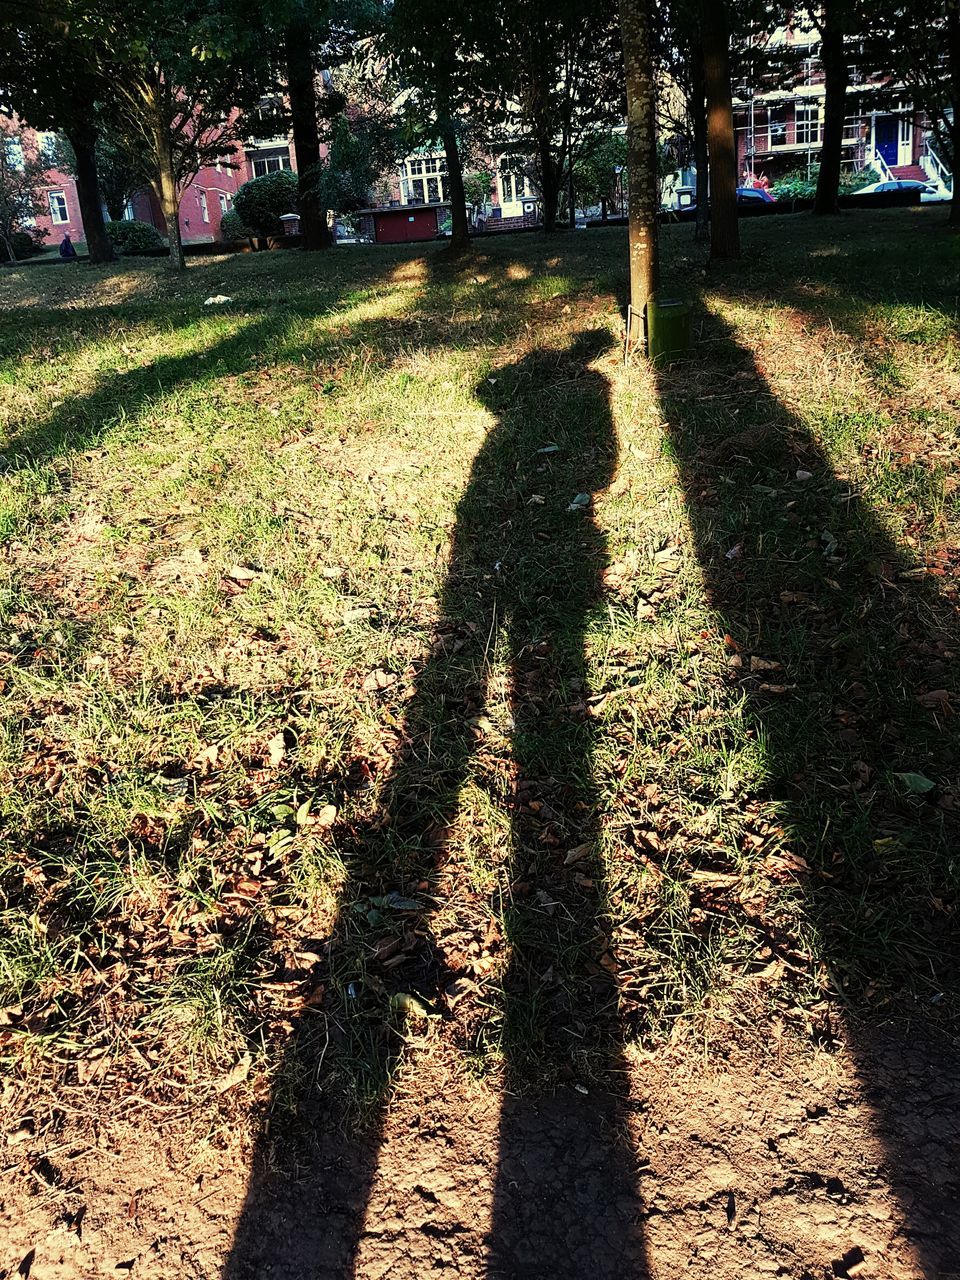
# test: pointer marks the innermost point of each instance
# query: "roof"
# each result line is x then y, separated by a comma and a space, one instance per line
403, 208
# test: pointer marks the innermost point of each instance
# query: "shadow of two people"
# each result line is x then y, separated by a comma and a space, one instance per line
500, 705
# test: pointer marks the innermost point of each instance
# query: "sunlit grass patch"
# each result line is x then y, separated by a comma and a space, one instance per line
377, 583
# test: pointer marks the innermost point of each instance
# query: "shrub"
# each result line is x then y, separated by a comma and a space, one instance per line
233, 227
260, 202
25, 244
800, 185
134, 237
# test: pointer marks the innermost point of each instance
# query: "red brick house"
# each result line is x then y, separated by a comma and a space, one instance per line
60, 210
779, 130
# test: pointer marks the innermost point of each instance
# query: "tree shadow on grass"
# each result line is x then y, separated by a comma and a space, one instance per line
842, 654
495, 755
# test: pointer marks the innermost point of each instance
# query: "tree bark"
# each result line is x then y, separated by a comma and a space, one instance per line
827, 198
701, 156
549, 183
83, 140
953, 125
168, 195
636, 27
302, 91
460, 230
724, 228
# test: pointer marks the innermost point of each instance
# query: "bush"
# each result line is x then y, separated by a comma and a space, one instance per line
25, 244
233, 227
800, 185
260, 202
134, 237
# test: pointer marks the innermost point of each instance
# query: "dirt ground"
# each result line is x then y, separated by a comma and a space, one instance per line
774, 1161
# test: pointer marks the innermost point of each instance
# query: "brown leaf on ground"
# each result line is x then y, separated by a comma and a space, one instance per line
936, 700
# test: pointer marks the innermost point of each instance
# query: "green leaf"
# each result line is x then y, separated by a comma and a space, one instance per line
916, 783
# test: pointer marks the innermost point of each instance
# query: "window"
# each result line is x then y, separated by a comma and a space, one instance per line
14, 152
49, 148
808, 123
425, 191
58, 206
204, 210
414, 167
513, 184
224, 202
778, 127
269, 164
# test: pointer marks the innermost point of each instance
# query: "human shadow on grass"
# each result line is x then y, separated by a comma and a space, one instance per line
498, 737
842, 655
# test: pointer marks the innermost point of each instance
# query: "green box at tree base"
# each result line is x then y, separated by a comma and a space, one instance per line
668, 329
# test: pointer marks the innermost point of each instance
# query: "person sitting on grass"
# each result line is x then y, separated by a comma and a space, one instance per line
67, 251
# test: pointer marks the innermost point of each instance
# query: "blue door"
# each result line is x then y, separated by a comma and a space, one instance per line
887, 136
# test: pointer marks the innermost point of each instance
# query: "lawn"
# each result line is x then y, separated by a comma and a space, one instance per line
389, 672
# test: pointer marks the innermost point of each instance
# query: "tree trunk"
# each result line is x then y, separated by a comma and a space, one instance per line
643, 201
724, 229
571, 195
549, 183
302, 91
460, 232
834, 110
953, 74
83, 141
701, 156
169, 197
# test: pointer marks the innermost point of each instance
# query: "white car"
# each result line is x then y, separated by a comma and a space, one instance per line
929, 193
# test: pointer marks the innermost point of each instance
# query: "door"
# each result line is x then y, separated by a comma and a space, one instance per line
887, 138
399, 226
905, 155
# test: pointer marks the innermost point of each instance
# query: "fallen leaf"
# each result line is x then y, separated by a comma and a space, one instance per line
764, 664
236, 1075
581, 851
378, 680
276, 750
936, 700
407, 1002
916, 783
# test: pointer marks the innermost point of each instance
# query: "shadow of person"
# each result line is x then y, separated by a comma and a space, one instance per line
473, 898
842, 671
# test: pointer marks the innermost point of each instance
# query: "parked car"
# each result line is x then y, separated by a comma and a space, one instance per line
893, 184
750, 201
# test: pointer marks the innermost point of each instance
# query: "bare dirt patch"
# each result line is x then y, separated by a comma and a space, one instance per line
771, 1161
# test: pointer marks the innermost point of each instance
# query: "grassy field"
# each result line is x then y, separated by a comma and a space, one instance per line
388, 670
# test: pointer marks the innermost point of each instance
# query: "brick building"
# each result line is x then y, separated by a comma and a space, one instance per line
60, 209
780, 129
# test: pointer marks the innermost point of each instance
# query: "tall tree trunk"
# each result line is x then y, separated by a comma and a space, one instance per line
834, 109
302, 91
636, 26
460, 230
724, 229
167, 194
953, 130
549, 182
701, 156
571, 195
83, 139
